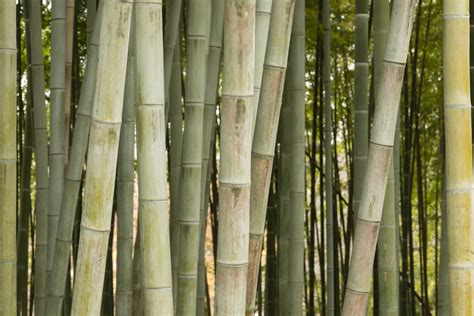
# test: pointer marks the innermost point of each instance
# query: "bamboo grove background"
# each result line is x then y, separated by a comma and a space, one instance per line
333, 54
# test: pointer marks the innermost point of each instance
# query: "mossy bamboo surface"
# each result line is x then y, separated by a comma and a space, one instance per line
380, 154
186, 239
213, 70
262, 23
328, 190
68, 72
457, 108
56, 123
388, 266
8, 55
235, 161
151, 147
102, 157
72, 181
41, 154
296, 83
125, 190
264, 138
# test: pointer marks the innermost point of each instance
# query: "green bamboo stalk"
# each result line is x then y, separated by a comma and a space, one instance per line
172, 27
388, 270
361, 99
266, 126
72, 181
284, 200
457, 105
380, 154
125, 190
56, 123
41, 155
102, 157
442, 306
25, 185
213, 70
136, 276
8, 55
186, 239
91, 16
296, 243
235, 166
151, 147
69, 42
262, 24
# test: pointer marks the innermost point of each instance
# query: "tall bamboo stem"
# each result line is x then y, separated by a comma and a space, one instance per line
68, 72
266, 126
380, 154
297, 163
156, 278
102, 157
125, 190
91, 16
457, 114
8, 55
442, 306
72, 181
235, 167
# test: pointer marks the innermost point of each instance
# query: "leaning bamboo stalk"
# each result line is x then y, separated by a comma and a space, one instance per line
102, 157
186, 236
457, 108
264, 139
235, 166
8, 55
330, 275
125, 190
72, 181
91, 16
380, 154
213, 70
297, 163
262, 23
172, 26
56, 123
68, 72
41, 154
388, 270
151, 147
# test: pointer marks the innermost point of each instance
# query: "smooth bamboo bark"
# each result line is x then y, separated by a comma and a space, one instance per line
380, 154
296, 244
125, 190
262, 24
213, 71
56, 123
266, 126
442, 301
457, 108
330, 274
388, 266
8, 55
69, 38
156, 278
41, 154
235, 167
102, 157
72, 181
186, 237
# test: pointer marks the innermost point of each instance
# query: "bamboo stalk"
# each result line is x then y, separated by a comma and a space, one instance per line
457, 108
235, 166
91, 16
172, 26
380, 154
125, 190
56, 123
68, 72
264, 138
186, 239
442, 301
41, 155
8, 177
213, 70
296, 243
102, 157
72, 181
151, 146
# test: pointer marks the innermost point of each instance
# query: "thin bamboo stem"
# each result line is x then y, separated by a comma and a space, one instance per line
68, 72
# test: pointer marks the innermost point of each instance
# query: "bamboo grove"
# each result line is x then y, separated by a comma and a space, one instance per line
236, 157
